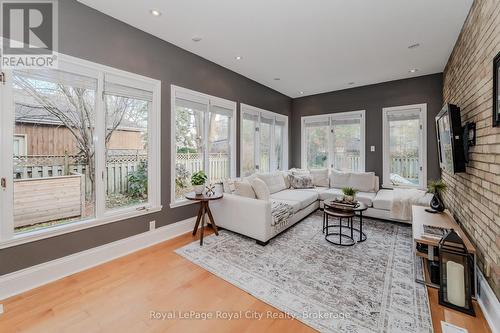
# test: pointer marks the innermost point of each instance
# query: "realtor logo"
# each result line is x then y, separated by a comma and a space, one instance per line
29, 33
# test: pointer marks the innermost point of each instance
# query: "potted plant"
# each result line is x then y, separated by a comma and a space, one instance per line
436, 187
349, 194
198, 180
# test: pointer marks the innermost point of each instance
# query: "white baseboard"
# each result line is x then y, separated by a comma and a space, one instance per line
23, 280
489, 303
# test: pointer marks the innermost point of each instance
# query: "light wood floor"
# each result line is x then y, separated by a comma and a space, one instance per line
119, 296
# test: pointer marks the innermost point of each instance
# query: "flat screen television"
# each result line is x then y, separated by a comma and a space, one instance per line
450, 139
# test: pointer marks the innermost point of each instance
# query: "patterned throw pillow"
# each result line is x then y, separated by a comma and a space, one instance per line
301, 181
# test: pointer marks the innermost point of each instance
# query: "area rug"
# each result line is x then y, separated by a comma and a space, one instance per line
369, 287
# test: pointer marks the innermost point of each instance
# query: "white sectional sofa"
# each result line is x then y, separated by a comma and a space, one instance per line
252, 217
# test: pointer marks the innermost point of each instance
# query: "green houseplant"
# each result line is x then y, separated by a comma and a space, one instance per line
198, 180
436, 187
349, 193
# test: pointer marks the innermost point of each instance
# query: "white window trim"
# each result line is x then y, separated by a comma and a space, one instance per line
423, 145
97, 71
192, 95
245, 108
332, 116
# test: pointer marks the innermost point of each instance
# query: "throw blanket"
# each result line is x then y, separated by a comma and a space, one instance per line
402, 202
280, 213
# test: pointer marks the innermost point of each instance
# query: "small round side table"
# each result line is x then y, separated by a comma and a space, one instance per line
341, 215
204, 199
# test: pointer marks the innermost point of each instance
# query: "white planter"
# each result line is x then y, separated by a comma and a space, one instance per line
198, 189
349, 198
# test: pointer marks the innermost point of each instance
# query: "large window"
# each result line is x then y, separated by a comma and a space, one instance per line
263, 141
334, 140
405, 146
83, 147
203, 138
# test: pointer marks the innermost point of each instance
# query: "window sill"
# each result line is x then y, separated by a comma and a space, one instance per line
393, 187
36, 235
180, 203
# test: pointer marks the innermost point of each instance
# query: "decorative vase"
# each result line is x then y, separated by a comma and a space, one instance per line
349, 198
436, 203
198, 189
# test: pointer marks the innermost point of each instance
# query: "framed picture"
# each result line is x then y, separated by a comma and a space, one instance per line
496, 90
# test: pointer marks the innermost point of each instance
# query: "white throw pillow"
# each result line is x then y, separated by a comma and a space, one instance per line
296, 171
363, 181
228, 185
244, 189
320, 177
273, 180
340, 179
260, 188
285, 178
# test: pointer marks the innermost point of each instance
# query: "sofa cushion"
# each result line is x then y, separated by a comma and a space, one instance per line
244, 189
330, 194
260, 188
301, 181
320, 177
364, 197
296, 206
383, 200
363, 181
316, 189
285, 178
304, 197
273, 180
340, 179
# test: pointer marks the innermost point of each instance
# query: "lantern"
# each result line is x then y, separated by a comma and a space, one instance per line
456, 274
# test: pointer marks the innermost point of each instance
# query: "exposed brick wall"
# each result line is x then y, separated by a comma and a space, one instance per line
474, 196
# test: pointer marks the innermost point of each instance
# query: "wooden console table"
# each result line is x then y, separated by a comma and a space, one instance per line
443, 220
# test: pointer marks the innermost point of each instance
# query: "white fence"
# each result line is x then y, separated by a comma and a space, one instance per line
218, 164
117, 171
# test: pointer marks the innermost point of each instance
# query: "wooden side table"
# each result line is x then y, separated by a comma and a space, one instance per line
204, 209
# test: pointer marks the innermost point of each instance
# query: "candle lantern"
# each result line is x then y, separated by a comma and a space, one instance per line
456, 274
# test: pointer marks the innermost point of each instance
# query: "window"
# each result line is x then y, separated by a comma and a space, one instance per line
264, 141
203, 138
404, 130
94, 148
334, 140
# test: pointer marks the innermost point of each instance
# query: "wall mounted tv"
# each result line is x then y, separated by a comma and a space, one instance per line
450, 140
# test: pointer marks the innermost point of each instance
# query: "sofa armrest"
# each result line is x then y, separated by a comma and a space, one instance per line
250, 217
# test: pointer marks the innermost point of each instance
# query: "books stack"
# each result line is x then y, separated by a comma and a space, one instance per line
343, 205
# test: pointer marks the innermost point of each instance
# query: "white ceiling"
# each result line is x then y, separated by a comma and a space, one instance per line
313, 46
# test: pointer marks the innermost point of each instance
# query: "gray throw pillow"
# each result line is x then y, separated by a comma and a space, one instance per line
301, 181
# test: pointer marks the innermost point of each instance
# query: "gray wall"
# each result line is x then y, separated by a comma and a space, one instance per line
91, 35
372, 98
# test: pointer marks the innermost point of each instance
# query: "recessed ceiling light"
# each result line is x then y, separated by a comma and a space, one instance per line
155, 12
414, 46
413, 70
277, 79
238, 58
196, 38
301, 92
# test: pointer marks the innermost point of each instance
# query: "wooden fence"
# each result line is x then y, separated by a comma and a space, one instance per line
39, 200
46, 166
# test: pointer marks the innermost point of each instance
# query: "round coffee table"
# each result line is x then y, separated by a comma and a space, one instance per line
341, 215
358, 211
204, 209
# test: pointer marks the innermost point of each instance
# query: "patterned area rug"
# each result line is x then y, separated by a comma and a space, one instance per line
368, 287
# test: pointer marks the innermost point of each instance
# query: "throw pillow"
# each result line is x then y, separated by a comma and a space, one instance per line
228, 185
320, 177
363, 181
285, 178
296, 171
260, 188
301, 181
244, 189
273, 180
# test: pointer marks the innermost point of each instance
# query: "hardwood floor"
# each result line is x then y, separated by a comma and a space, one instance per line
119, 296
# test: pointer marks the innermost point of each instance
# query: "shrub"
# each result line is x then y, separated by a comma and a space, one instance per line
138, 182
349, 191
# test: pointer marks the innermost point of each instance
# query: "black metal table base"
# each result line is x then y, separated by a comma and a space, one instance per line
339, 235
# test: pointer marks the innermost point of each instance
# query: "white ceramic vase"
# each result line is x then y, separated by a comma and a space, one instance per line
198, 189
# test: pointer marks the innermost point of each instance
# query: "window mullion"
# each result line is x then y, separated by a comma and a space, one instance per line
100, 149
206, 158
